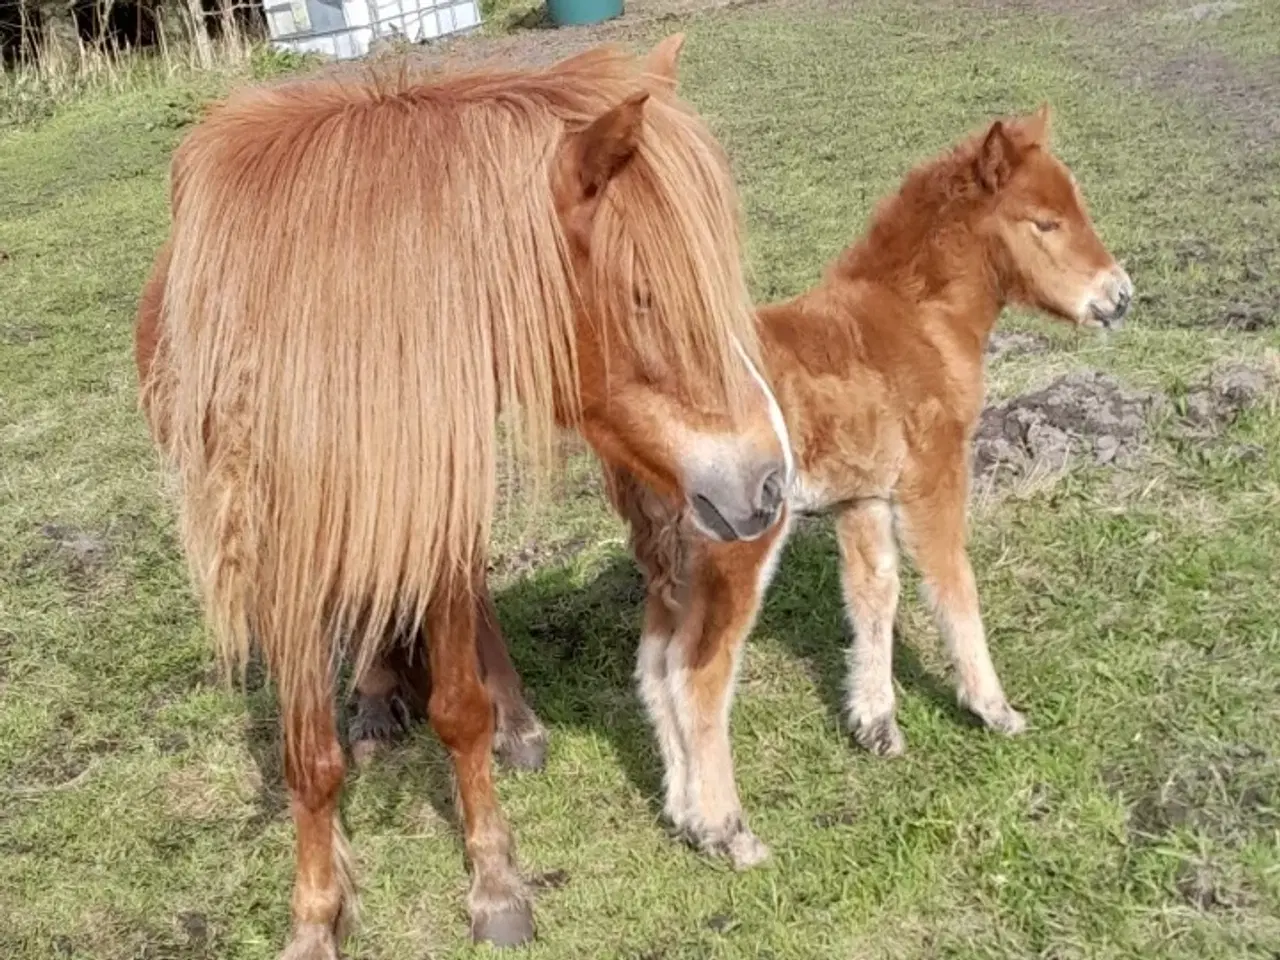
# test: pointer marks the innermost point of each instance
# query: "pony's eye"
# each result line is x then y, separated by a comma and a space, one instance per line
1046, 226
642, 300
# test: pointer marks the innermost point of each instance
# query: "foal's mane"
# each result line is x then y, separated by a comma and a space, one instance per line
364, 270
916, 232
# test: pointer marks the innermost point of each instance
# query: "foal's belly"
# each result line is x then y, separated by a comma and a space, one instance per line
820, 491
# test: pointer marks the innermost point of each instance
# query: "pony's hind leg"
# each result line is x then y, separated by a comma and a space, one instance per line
323, 896
869, 558
396, 685
727, 585
520, 739
461, 713
933, 522
381, 714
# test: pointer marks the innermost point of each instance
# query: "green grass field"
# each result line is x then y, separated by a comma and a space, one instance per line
1132, 610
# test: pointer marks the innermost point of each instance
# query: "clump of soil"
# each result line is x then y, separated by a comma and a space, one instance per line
1087, 415
1228, 392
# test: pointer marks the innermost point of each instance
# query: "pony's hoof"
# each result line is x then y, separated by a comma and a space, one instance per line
523, 746
376, 721
1002, 718
509, 927
311, 941
881, 736
746, 850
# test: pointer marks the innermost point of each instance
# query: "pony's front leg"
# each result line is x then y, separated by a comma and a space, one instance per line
655, 693
323, 897
461, 713
727, 585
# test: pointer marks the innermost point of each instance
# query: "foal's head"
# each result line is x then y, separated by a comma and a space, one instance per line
669, 387
1045, 250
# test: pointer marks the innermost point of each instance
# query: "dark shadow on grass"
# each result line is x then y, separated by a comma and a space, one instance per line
574, 645
805, 610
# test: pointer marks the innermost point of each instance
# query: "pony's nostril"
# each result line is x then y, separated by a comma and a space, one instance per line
771, 491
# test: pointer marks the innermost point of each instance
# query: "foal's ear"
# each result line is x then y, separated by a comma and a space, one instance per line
663, 60
606, 145
1039, 126
996, 158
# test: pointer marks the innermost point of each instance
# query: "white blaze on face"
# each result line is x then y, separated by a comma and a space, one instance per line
775, 413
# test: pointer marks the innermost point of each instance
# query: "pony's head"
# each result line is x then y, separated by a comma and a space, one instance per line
1046, 252
668, 383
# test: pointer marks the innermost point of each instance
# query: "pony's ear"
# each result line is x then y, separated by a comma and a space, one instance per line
664, 59
996, 158
606, 145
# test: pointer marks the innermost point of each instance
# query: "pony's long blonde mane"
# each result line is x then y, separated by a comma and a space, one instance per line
363, 272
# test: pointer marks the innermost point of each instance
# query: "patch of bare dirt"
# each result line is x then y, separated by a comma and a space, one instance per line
1086, 415
1203, 886
1251, 315
534, 41
1247, 98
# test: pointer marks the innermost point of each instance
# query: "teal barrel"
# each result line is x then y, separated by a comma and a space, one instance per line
565, 13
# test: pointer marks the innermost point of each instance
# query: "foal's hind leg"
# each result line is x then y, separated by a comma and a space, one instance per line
323, 896
869, 559
727, 585
461, 713
933, 524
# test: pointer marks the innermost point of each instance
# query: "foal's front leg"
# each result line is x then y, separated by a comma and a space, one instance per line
869, 572
933, 525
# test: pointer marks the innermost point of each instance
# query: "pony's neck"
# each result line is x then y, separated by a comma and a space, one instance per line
924, 245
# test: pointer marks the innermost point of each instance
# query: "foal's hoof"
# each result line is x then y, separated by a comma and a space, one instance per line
522, 745
511, 927
746, 850
880, 736
311, 941
1002, 718
375, 722
733, 840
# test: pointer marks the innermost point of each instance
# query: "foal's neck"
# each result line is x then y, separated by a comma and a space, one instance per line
938, 262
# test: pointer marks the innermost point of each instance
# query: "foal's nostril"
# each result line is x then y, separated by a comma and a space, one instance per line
771, 492
1123, 299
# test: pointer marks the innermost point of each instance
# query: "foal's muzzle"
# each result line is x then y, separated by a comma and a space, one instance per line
1110, 304
726, 509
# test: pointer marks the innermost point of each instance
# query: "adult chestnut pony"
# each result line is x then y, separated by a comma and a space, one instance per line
360, 276
879, 373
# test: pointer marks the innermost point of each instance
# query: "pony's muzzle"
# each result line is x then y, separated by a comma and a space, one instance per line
726, 510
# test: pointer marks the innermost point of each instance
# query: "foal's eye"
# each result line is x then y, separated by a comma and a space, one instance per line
642, 300
1046, 226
